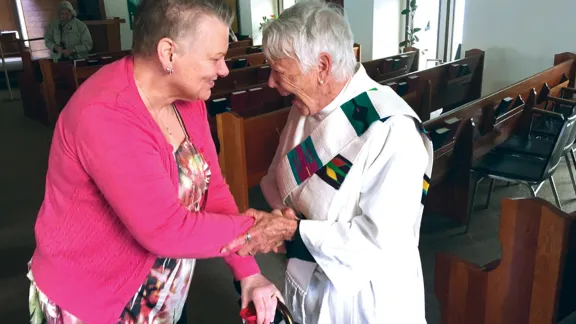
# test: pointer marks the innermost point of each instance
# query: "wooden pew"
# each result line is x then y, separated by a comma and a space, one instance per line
475, 128
247, 143
256, 59
392, 66
241, 43
239, 51
241, 79
454, 83
58, 83
83, 69
257, 76
534, 280
247, 147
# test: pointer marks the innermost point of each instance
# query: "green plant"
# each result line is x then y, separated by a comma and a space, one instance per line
267, 19
410, 37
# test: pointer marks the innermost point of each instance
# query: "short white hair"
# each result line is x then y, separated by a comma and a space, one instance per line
305, 30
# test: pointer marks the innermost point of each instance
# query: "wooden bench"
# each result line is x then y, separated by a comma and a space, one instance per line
58, 83
392, 66
469, 132
534, 280
83, 69
241, 43
240, 51
248, 60
454, 83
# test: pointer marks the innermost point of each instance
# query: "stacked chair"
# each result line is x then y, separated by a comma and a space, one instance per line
533, 158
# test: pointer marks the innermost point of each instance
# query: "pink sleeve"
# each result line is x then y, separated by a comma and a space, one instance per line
220, 198
121, 156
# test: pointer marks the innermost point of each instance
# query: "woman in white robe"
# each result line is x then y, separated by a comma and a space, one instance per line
353, 164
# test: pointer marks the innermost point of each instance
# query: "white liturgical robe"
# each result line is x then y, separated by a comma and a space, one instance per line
357, 173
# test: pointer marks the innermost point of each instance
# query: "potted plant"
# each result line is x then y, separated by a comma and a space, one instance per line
265, 19
410, 37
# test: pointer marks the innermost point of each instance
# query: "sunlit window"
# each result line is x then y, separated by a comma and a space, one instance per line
22, 22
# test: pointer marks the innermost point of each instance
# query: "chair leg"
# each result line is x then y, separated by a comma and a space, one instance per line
532, 190
570, 171
471, 205
490, 189
555, 192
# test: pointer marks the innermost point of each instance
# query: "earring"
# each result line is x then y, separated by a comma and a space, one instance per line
321, 81
169, 70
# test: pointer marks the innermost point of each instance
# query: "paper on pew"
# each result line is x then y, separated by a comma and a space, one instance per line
442, 130
451, 121
436, 113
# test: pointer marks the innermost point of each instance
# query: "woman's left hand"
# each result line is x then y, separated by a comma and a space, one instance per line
268, 233
263, 294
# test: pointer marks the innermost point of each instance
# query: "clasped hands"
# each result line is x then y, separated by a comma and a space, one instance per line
267, 234
66, 52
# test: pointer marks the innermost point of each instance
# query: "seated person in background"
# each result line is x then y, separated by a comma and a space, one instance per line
67, 38
353, 164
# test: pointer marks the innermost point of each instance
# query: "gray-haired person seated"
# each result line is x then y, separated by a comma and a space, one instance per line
67, 37
354, 165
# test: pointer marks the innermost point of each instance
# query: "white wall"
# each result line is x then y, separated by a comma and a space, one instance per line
261, 8
361, 19
376, 25
244, 17
387, 28
250, 16
520, 38
119, 8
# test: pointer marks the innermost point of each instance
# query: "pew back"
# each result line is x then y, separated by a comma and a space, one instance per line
455, 83
492, 126
393, 66
532, 283
247, 147
240, 43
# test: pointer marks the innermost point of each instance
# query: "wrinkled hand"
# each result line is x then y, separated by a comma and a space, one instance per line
263, 294
268, 233
67, 52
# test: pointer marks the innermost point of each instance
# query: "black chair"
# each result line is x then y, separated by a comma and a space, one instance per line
541, 143
531, 171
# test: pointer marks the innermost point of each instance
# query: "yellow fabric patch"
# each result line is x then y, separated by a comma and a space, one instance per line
331, 173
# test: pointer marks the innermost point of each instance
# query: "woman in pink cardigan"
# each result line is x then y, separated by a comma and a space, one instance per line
134, 193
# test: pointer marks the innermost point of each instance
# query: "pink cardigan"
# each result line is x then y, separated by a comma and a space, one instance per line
111, 203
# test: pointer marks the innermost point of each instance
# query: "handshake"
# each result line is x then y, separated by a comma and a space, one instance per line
267, 234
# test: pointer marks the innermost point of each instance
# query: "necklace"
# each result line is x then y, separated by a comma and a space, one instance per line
156, 119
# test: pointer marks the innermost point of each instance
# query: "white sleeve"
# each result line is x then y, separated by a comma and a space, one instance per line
383, 236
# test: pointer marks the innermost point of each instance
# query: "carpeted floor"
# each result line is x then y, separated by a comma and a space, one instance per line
24, 146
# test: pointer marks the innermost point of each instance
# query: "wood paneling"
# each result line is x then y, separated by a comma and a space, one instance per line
38, 14
8, 15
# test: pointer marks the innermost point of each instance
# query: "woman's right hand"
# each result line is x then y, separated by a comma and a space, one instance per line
268, 233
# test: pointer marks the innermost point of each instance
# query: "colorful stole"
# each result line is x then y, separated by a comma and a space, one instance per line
319, 154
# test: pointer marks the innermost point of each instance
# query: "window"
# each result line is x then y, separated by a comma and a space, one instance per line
22, 22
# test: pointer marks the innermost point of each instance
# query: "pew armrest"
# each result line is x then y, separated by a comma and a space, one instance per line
547, 113
562, 101
569, 90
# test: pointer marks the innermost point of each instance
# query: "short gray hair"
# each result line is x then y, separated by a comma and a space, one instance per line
68, 6
307, 29
156, 19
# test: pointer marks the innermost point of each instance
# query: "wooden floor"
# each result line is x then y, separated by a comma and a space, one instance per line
24, 146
